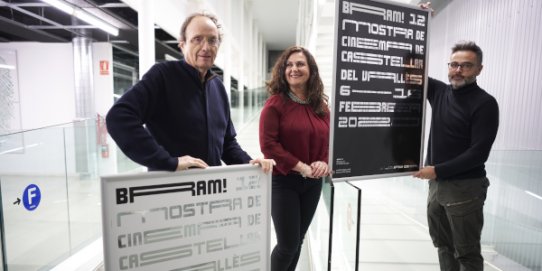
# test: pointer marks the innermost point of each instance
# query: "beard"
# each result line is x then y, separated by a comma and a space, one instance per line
460, 81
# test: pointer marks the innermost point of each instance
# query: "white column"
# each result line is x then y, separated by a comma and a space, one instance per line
85, 108
263, 64
145, 17
84, 89
242, 50
251, 62
226, 46
250, 44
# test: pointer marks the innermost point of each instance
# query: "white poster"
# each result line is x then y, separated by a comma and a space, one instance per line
10, 106
201, 219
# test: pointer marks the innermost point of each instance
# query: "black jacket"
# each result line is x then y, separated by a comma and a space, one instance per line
181, 115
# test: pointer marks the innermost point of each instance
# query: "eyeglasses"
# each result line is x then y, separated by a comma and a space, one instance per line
199, 40
466, 66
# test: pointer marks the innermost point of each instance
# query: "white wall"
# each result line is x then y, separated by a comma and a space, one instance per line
46, 81
509, 34
47, 95
103, 83
239, 31
169, 14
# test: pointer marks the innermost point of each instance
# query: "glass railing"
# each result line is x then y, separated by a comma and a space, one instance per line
393, 224
513, 228
50, 190
2, 255
50, 193
50, 186
321, 230
246, 105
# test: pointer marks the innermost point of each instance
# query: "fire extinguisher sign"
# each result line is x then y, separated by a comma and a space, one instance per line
104, 67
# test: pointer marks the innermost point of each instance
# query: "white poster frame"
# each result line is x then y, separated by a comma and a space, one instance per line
198, 219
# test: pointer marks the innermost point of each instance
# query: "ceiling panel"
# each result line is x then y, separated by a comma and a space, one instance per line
33, 20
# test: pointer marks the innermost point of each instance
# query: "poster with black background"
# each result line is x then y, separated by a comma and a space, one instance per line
379, 89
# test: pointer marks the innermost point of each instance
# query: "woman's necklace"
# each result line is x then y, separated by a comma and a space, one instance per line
296, 99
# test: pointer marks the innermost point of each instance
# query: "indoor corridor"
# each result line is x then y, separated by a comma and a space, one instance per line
66, 235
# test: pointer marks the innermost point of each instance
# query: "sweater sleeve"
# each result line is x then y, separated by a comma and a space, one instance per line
433, 86
270, 141
484, 126
126, 118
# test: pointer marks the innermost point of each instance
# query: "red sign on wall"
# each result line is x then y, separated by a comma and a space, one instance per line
104, 67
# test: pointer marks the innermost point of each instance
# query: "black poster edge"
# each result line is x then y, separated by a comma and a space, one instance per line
333, 94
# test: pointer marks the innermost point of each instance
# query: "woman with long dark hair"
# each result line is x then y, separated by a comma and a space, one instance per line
294, 131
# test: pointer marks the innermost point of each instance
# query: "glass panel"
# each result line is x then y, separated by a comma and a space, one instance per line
34, 199
394, 224
252, 101
51, 192
2, 255
235, 104
345, 226
391, 234
513, 225
319, 230
124, 77
125, 164
83, 183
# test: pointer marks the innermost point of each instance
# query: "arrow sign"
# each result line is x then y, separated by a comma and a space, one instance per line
18, 201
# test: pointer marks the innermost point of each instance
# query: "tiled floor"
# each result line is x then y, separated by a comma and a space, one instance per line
391, 237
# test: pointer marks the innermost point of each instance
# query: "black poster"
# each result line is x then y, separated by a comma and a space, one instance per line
379, 89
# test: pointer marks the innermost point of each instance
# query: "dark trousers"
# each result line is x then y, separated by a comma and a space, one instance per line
455, 216
294, 201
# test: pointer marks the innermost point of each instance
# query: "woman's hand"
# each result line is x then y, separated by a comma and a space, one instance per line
319, 169
303, 169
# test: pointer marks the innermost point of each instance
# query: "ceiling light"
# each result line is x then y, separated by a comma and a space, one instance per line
5, 66
83, 15
93, 20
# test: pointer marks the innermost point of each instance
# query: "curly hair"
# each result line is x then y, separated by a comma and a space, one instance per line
315, 88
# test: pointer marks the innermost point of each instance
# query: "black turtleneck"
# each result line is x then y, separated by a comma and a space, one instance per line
463, 128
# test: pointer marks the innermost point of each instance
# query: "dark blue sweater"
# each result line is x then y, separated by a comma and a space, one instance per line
464, 125
182, 116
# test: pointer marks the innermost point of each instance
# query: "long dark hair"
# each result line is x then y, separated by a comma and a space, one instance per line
315, 88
